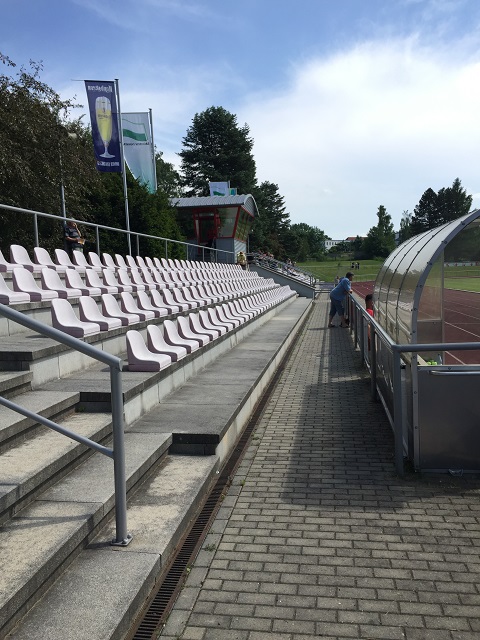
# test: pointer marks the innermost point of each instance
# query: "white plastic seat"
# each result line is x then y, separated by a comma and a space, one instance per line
19, 256
177, 295
111, 309
172, 336
138, 281
63, 260
89, 312
125, 281
216, 315
149, 262
64, 319
195, 294
141, 264
24, 281
158, 279
128, 304
145, 303
42, 257
186, 329
108, 261
121, 264
7, 296
140, 358
95, 261
74, 280
130, 260
172, 302
5, 266
158, 264
92, 279
148, 279
80, 261
156, 343
51, 281
110, 279
159, 301
208, 324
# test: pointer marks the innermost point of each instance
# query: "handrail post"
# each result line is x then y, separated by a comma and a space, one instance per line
97, 238
166, 249
397, 412
122, 535
35, 230
373, 361
361, 339
138, 244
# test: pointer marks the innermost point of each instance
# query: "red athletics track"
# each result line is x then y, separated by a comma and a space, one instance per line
462, 320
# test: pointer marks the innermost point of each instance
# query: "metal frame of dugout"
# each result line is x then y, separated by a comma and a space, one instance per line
432, 403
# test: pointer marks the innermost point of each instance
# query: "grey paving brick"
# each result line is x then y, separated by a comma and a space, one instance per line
318, 538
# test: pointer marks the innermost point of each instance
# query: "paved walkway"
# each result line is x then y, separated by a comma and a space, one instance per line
317, 537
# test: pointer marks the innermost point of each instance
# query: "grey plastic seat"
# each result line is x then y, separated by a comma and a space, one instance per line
51, 281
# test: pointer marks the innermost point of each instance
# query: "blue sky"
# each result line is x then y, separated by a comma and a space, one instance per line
351, 103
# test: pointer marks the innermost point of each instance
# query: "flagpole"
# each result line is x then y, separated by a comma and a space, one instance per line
153, 152
124, 173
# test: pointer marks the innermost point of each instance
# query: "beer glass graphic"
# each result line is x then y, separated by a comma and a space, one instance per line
103, 112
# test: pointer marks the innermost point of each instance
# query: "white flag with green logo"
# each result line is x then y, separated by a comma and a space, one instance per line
138, 148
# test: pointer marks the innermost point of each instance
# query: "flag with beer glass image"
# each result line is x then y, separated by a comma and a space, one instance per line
138, 148
102, 104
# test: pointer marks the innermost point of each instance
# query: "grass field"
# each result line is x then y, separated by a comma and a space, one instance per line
329, 269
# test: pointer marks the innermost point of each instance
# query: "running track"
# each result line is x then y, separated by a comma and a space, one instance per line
462, 320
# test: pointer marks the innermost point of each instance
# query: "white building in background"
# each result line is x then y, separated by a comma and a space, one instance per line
331, 243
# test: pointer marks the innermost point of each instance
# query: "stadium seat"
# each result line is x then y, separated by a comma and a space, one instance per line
111, 309
24, 281
156, 343
64, 319
110, 279
109, 262
63, 259
159, 301
140, 358
51, 281
208, 324
42, 257
144, 302
5, 266
19, 256
7, 296
172, 336
89, 312
197, 328
128, 304
79, 259
92, 278
74, 280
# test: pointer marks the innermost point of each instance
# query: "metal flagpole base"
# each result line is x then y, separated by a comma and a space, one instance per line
122, 543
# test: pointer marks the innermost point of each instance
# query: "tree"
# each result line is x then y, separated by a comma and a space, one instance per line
435, 209
273, 222
168, 178
380, 240
405, 227
216, 149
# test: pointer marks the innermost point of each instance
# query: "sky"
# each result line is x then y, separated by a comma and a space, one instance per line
351, 104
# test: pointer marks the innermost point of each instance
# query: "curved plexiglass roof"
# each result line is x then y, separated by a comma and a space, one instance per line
409, 289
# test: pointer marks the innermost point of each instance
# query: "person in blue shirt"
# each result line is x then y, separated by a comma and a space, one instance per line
337, 296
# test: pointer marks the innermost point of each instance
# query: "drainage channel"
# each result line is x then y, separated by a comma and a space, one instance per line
162, 599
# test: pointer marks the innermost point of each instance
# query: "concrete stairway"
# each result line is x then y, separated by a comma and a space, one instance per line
59, 575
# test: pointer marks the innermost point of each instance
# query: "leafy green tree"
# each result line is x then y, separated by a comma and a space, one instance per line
37, 153
380, 240
216, 149
435, 209
168, 179
405, 227
273, 222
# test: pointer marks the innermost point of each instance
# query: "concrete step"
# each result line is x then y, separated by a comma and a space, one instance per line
15, 427
14, 382
39, 541
38, 462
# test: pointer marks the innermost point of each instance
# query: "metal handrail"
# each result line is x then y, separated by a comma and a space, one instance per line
273, 264
357, 311
117, 452
97, 227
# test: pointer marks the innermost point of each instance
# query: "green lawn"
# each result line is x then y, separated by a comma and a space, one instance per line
329, 269
463, 284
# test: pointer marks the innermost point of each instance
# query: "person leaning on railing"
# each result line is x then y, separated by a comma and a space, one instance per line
337, 296
73, 238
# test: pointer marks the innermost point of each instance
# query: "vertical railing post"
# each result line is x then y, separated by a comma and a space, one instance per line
397, 412
373, 361
166, 249
122, 536
97, 239
138, 244
35, 229
362, 335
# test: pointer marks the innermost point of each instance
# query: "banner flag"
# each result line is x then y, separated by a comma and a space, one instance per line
219, 188
102, 104
138, 148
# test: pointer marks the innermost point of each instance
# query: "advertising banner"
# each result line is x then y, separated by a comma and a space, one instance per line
138, 148
102, 104
219, 188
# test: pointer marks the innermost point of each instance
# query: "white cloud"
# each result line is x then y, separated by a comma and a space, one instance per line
375, 125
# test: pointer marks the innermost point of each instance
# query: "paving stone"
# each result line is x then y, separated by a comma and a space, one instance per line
321, 539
